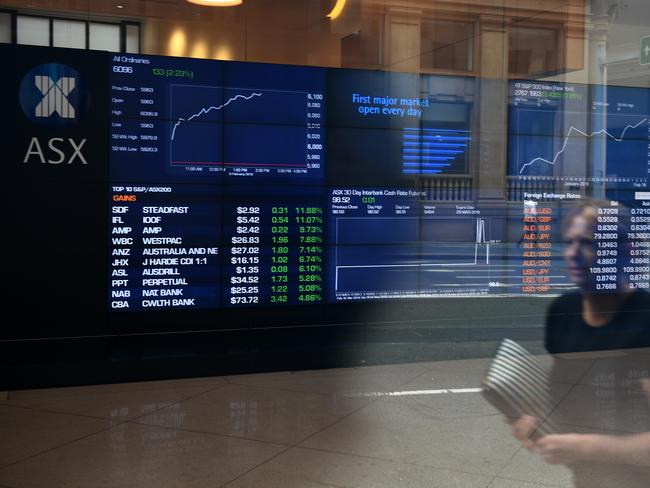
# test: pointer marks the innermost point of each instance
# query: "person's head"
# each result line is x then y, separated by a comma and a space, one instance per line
584, 250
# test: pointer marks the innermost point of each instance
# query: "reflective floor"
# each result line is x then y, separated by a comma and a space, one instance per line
408, 425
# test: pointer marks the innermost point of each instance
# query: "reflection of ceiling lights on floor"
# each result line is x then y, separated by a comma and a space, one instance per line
217, 3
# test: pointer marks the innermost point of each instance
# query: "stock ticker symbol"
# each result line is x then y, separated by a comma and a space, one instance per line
53, 94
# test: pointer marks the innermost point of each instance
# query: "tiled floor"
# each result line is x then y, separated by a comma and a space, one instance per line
407, 425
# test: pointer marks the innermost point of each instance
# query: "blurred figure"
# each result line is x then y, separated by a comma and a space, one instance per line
590, 319
596, 460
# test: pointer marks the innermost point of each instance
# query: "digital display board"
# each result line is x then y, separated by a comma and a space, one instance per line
394, 126
174, 117
579, 134
218, 169
214, 185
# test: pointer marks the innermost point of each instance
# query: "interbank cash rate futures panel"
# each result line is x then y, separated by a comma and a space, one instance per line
216, 174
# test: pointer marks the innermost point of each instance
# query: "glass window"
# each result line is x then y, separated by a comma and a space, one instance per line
69, 33
533, 50
132, 38
104, 37
363, 48
5, 27
446, 45
34, 31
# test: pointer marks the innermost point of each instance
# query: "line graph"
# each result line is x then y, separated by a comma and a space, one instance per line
443, 244
246, 131
580, 145
206, 110
590, 135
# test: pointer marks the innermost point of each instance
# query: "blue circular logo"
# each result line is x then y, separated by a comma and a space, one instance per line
54, 95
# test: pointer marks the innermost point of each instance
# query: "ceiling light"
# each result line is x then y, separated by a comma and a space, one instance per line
177, 43
338, 8
217, 3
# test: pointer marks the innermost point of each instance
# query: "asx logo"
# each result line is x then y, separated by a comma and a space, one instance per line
54, 95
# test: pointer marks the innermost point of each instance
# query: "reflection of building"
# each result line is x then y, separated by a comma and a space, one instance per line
577, 41
505, 100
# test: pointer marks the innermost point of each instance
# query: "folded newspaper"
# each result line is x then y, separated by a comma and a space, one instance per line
517, 384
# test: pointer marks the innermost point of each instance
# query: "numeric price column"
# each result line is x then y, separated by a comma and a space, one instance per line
280, 250
604, 274
637, 269
315, 136
274, 254
243, 286
310, 253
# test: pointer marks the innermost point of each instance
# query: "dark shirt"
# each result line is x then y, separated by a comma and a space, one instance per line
614, 396
566, 330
